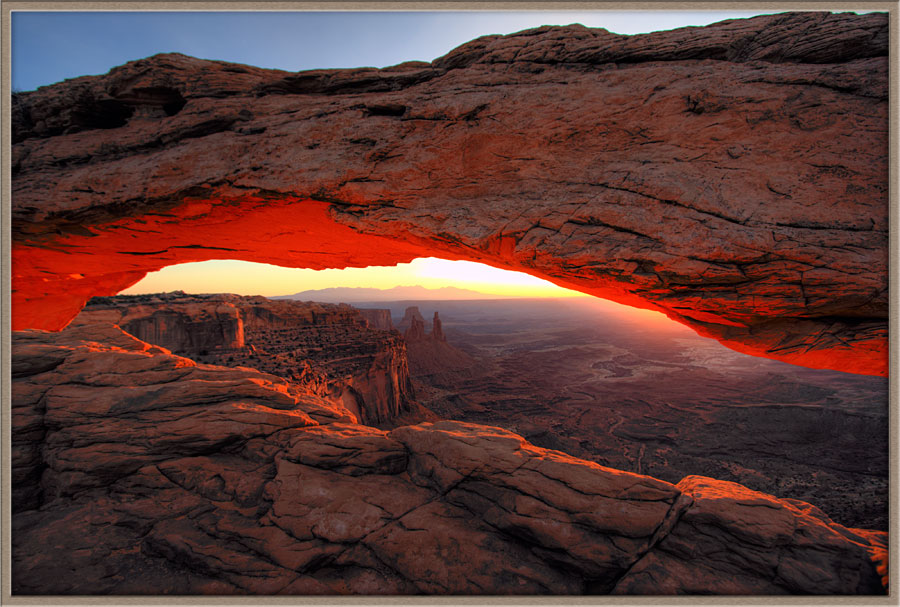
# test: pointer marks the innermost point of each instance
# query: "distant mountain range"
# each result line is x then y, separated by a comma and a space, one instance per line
367, 294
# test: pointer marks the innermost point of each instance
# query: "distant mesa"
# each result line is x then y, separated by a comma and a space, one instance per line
412, 316
429, 353
414, 324
403, 293
416, 330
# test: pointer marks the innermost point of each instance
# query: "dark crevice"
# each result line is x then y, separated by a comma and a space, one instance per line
170, 100
337, 82
385, 109
92, 111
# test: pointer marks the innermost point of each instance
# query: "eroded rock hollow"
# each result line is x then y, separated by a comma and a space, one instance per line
732, 176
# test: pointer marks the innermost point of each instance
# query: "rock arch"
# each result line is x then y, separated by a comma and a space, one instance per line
733, 176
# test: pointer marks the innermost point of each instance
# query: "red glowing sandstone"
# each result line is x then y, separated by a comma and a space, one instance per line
48, 281
733, 177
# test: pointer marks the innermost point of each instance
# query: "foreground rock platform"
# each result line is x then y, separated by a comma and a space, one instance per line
136, 471
732, 176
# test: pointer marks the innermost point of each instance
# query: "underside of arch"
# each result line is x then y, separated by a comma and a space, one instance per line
733, 181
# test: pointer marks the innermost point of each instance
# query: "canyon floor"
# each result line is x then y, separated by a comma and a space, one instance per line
646, 395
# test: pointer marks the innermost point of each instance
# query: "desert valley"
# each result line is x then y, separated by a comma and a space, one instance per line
729, 436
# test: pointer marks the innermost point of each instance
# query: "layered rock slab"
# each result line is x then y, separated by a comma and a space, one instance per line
733, 540
136, 471
732, 176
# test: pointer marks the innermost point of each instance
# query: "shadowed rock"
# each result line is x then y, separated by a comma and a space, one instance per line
416, 330
437, 330
429, 353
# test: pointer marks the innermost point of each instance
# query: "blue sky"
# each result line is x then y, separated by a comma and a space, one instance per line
48, 47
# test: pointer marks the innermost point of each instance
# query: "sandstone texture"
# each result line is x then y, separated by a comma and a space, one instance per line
732, 176
378, 318
792, 546
137, 471
330, 350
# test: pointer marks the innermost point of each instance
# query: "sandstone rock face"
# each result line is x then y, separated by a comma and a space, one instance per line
413, 324
93, 404
437, 329
378, 318
186, 325
416, 330
327, 349
732, 176
412, 315
136, 471
732, 540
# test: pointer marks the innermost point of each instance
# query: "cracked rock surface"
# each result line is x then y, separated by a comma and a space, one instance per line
136, 471
732, 176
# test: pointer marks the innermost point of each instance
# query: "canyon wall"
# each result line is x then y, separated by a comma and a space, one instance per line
733, 176
185, 325
378, 318
328, 349
136, 471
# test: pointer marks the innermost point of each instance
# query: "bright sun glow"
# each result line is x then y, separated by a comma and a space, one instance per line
246, 278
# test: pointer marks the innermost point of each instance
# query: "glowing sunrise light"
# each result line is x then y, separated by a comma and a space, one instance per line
247, 278
484, 278
473, 273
